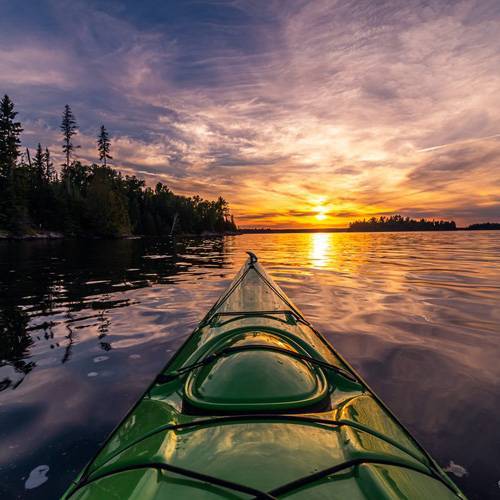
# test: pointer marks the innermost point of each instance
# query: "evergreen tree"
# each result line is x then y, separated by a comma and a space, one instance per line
36, 188
50, 173
39, 165
107, 208
68, 128
10, 130
12, 211
104, 145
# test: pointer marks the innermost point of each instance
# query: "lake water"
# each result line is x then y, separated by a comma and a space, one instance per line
85, 326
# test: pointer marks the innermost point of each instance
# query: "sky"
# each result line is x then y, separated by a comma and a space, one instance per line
299, 113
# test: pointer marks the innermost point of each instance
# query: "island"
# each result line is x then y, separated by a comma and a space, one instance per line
399, 223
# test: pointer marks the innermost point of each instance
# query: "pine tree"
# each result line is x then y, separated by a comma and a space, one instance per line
11, 198
39, 164
69, 128
104, 146
10, 131
50, 173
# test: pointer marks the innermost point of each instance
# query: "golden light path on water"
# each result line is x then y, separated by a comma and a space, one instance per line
321, 246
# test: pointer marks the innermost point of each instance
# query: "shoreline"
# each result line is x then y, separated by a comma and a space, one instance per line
55, 235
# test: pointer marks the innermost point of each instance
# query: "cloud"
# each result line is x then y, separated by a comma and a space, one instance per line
467, 164
33, 66
373, 106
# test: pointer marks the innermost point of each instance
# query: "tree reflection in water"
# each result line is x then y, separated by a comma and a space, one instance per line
56, 289
14, 346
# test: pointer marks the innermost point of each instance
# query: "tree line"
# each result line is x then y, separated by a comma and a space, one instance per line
400, 223
90, 200
484, 226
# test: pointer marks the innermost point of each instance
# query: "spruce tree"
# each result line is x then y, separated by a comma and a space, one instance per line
12, 198
50, 173
68, 128
104, 146
39, 164
10, 130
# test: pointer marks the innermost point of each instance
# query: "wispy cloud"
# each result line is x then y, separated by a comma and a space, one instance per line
458, 143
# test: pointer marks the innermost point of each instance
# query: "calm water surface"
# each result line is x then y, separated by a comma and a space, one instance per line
85, 326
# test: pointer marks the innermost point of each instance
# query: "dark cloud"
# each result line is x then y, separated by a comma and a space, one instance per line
448, 165
348, 170
380, 89
258, 216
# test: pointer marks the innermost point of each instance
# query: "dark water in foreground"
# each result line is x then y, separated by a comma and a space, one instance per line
87, 325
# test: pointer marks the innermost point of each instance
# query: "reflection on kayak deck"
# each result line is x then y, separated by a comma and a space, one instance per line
415, 313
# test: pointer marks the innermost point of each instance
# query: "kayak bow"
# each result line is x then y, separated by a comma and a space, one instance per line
257, 404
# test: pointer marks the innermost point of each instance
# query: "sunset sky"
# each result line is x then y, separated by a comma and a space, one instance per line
299, 113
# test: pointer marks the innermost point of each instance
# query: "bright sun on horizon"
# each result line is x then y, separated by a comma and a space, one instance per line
321, 215
321, 209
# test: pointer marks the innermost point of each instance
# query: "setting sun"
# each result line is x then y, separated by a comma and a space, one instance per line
321, 209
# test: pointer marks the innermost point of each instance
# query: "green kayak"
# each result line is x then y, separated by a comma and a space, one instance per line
257, 404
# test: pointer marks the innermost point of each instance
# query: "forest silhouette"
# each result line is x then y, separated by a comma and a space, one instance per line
399, 223
90, 200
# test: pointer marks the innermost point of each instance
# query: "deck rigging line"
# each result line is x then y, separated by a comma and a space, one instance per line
259, 494
164, 378
263, 418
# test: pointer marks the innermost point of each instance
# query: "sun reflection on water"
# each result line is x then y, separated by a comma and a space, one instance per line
321, 249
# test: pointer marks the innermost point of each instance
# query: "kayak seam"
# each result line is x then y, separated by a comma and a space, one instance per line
250, 266
281, 295
206, 320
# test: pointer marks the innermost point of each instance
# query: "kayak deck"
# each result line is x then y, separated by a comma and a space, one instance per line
257, 404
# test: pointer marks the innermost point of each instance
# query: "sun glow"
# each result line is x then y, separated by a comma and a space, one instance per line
321, 209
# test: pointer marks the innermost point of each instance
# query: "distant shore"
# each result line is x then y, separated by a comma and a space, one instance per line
37, 235
348, 230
